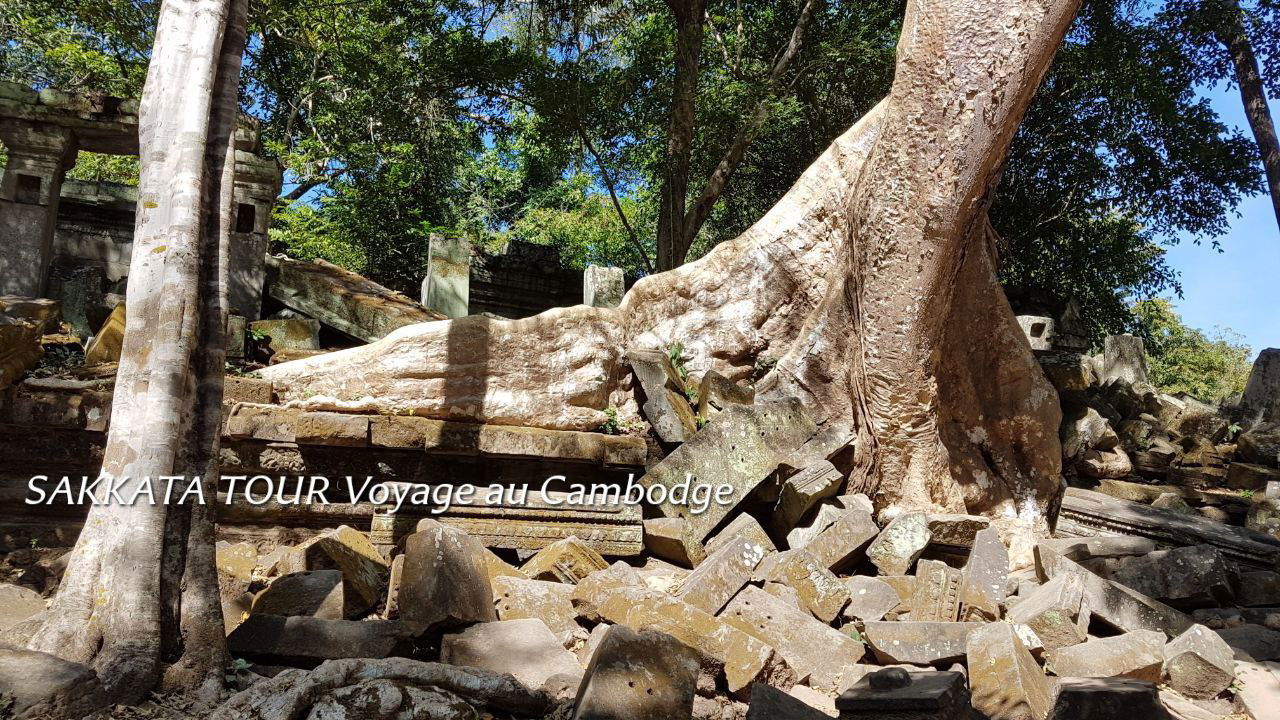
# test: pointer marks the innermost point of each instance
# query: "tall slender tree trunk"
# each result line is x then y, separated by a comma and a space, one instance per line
690, 16
1233, 34
139, 596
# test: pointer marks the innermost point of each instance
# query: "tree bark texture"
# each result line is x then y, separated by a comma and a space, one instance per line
689, 16
140, 591
1233, 35
869, 289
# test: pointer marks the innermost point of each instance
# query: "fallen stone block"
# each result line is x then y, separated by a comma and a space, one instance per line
19, 349
301, 638
317, 593
445, 581
566, 561
1115, 604
820, 592
1260, 445
364, 570
18, 603
1138, 655
827, 512
289, 333
551, 602
900, 544
594, 590
1194, 576
885, 695
1173, 503
38, 685
773, 704
1252, 642
1247, 476
1198, 663
800, 492
645, 675
739, 448
937, 594
525, 649
1056, 612
812, 649
672, 539
870, 598
844, 542
918, 643
743, 526
107, 343
717, 392
1259, 693
785, 593
956, 530
984, 578
1090, 548
1260, 588
665, 406
721, 576
1107, 699
1006, 681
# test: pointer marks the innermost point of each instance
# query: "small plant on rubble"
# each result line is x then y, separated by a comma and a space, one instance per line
236, 667
676, 352
610, 426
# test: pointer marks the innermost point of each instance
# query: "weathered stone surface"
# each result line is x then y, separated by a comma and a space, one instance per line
603, 286
445, 581
40, 686
1261, 400
743, 526
739, 448
821, 592
896, 549
644, 675
1055, 611
772, 704
1260, 445
821, 518
812, 649
918, 643
289, 333
717, 392
845, 541
317, 593
1105, 464
1197, 575
869, 598
1123, 357
1259, 693
785, 593
1260, 588
1086, 430
745, 658
937, 593
364, 570
44, 313
984, 578
665, 405
341, 299
800, 492
956, 530
17, 604
525, 648
1254, 641
673, 540
301, 637
106, 344
1138, 655
1198, 663
1039, 331
566, 561
1006, 681
1106, 699
1248, 476
19, 349
1115, 604
940, 695
721, 576
593, 591
1173, 503
551, 602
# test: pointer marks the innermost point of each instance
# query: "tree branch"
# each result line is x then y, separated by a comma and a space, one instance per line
613, 196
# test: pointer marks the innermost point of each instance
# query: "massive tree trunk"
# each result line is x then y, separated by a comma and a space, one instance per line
690, 16
1233, 35
871, 286
139, 596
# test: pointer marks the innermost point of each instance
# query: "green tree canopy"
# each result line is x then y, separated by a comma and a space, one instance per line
1209, 367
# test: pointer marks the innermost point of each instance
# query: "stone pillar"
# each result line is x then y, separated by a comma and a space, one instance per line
446, 288
39, 157
603, 286
256, 186
1124, 357
1261, 400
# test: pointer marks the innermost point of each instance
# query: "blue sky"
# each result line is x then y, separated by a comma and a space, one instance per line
1239, 288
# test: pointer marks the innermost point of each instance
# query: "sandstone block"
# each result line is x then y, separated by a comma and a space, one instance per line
869, 598
364, 570
1195, 575
289, 333
18, 603
673, 540
1056, 611
1261, 445
445, 581
721, 576
717, 392
665, 405
592, 591
896, 549
1198, 663
19, 349
940, 695
918, 643
1247, 476
1115, 604
1259, 694
803, 490
937, 593
844, 542
821, 592
551, 602
1107, 699
984, 578
1138, 655
317, 593
644, 675
1006, 681
1252, 642
566, 561
772, 704
525, 649
827, 512
956, 529
744, 526
308, 638
39, 685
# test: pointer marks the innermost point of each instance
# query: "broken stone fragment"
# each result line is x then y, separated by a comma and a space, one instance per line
812, 649
897, 547
551, 602
717, 392
1247, 476
955, 529
1260, 445
524, 648
821, 592
18, 603
301, 637
39, 685
1105, 464
1259, 688
935, 695
1086, 430
567, 561
672, 539
645, 675
1006, 681
445, 580
1260, 588
984, 578
869, 598
743, 526
392, 609
918, 643
1192, 576
1056, 612
739, 448
785, 593
364, 570
1198, 663
1138, 655
665, 406
289, 333
497, 567
1252, 642
937, 593
772, 704
317, 593
721, 576
592, 591
820, 519
20, 349
844, 542
1107, 699
800, 492
1115, 604
1173, 503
